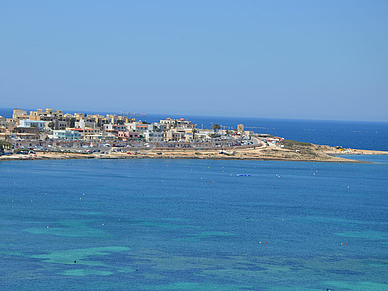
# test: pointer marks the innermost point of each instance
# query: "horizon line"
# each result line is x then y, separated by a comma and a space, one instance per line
202, 115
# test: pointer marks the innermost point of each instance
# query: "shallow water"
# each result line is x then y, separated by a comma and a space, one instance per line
193, 225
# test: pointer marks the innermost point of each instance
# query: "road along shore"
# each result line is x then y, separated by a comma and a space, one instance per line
302, 153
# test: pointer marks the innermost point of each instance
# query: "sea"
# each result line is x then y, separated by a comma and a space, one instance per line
160, 224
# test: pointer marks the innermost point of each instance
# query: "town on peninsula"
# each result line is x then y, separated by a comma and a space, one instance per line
52, 134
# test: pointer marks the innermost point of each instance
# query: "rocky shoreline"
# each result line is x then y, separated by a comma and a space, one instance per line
301, 153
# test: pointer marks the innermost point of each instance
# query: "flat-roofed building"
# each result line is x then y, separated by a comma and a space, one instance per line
174, 136
3, 122
18, 113
154, 136
32, 123
66, 134
20, 129
128, 135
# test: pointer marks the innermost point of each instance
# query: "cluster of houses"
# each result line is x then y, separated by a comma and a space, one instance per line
55, 125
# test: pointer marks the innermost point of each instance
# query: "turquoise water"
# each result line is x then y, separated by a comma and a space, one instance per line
193, 225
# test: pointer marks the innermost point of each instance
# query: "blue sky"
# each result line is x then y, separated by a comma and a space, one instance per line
279, 59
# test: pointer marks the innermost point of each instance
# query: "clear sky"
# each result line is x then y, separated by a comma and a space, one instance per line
280, 59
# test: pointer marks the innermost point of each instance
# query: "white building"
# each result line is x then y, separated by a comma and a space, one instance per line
204, 133
32, 123
115, 127
173, 123
153, 136
66, 134
82, 124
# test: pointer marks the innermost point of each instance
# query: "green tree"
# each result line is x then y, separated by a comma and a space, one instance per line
194, 132
216, 126
5, 145
51, 125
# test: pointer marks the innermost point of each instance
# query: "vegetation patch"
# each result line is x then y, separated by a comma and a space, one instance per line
293, 144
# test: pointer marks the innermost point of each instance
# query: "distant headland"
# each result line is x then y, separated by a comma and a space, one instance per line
53, 134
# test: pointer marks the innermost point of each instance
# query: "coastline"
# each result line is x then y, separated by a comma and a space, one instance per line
311, 153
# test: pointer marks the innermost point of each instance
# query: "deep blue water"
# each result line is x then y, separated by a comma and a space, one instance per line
350, 134
353, 134
193, 225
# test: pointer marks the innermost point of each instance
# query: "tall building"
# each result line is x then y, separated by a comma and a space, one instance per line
18, 113
240, 128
